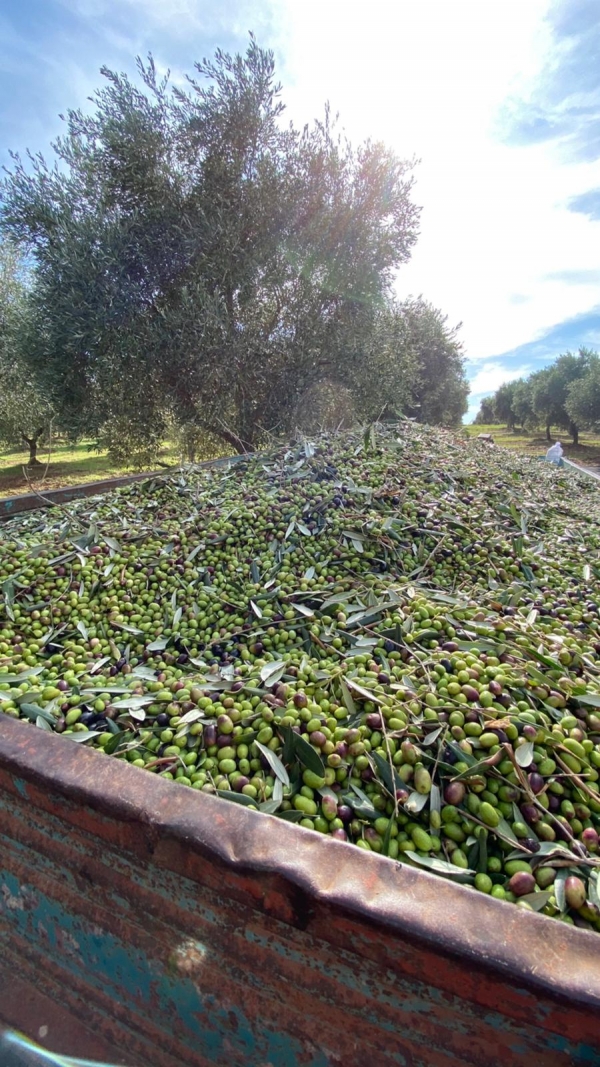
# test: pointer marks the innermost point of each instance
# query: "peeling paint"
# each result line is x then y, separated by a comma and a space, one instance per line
239, 939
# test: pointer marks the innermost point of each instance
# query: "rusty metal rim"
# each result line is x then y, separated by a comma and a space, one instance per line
526, 948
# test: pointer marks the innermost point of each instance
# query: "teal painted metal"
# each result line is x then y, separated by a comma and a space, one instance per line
184, 929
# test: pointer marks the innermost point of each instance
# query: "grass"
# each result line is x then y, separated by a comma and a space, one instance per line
69, 465
586, 453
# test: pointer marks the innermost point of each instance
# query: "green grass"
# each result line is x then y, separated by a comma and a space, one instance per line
68, 465
586, 453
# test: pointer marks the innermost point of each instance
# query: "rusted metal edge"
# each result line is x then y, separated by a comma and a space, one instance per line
15, 505
528, 949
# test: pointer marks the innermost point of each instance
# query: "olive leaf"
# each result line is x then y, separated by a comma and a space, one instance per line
34, 711
559, 890
238, 798
272, 672
367, 694
524, 754
158, 645
274, 762
538, 900
392, 783
387, 837
416, 802
307, 755
347, 696
448, 870
360, 803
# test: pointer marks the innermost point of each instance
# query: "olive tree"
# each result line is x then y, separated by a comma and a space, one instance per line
198, 261
550, 390
583, 396
25, 412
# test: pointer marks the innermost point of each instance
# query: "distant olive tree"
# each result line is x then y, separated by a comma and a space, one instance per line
25, 410
583, 396
486, 414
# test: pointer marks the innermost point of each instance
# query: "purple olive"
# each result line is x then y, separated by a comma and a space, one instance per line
345, 813
317, 738
575, 894
209, 736
471, 693
590, 839
563, 830
522, 883
239, 783
531, 844
536, 782
339, 834
373, 720
454, 793
530, 813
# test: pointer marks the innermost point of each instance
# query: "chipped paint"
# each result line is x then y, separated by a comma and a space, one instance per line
183, 929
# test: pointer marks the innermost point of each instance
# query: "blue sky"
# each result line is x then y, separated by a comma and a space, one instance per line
499, 99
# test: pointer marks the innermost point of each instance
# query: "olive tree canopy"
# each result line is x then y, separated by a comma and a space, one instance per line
198, 260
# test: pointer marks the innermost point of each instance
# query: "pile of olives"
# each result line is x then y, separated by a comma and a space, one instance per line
392, 638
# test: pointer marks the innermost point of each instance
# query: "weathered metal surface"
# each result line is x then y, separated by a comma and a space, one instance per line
14, 505
186, 929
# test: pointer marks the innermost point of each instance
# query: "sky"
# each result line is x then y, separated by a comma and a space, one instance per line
499, 100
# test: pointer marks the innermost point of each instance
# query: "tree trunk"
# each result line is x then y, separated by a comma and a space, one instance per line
574, 431
240, 444
548, 437
32, 443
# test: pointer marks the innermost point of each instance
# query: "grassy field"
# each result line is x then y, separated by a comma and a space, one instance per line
586, 453
68, 465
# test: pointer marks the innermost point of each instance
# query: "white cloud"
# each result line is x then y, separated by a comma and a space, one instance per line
430, 78
491, 376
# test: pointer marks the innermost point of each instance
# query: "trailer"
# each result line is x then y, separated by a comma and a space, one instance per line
146, 924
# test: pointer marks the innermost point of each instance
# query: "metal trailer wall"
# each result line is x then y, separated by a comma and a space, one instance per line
175, 928
15, 505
